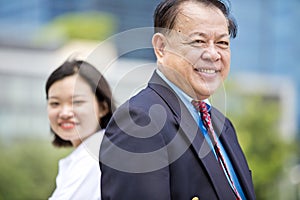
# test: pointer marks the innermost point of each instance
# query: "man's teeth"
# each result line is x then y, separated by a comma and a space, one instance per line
208, 71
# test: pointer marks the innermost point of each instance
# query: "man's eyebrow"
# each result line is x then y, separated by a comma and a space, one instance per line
206, 35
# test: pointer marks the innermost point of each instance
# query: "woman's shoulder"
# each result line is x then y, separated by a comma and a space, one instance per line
86, 152
89, 148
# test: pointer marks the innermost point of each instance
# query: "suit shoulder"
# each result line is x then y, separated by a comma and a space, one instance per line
143, 100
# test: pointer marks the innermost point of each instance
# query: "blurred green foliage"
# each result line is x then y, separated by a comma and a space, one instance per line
77, 25
28, 169
256, 120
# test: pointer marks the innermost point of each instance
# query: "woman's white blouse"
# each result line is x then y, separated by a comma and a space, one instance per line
79, 173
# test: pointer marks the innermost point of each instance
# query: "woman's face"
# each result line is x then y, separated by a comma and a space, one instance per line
73, 109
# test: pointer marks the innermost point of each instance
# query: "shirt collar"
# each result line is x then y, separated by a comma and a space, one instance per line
183, 96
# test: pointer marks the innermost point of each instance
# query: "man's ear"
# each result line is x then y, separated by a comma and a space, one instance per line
159, 44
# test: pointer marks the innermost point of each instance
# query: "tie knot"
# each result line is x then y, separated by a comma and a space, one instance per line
200, 106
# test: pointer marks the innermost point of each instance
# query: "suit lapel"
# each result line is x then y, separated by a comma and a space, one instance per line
205, 155
234, 152
190, 130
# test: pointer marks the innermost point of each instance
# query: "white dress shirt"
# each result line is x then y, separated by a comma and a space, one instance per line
79, 173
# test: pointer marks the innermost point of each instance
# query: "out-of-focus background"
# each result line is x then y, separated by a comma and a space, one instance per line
260, 95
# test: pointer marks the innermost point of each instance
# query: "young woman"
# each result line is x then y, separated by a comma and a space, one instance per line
79, 108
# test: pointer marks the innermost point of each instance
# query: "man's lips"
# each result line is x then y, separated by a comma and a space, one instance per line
207, 71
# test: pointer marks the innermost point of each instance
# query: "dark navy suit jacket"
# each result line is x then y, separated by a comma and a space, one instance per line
153, 149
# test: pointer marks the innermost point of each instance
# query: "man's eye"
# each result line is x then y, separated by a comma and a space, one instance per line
199, 41
223, 43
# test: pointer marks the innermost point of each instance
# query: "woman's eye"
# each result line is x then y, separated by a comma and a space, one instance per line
78, 102
54, 104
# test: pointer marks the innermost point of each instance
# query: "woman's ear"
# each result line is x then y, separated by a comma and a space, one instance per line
159, 44
103, 109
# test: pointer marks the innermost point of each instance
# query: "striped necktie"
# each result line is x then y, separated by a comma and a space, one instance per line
205, 116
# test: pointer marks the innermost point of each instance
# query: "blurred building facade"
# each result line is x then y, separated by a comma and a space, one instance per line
266, 44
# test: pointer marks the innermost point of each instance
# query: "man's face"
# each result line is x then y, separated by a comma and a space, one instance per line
196, 54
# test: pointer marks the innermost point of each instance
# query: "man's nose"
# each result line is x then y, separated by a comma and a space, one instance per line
211, 53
